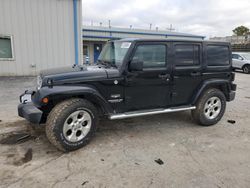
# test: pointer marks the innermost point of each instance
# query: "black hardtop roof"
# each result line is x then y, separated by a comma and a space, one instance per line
173, 40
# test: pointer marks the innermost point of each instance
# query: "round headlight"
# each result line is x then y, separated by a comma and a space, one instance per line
39, 82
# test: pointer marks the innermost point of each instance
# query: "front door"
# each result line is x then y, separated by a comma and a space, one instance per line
187, 71
97, 51
150, 88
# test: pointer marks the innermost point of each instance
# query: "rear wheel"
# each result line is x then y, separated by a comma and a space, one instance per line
210, 108
71, 124
246, 69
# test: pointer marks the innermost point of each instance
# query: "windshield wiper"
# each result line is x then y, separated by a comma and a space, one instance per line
107, 64
101, 62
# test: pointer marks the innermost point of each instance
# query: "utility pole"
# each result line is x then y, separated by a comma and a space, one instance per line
109, 24
171, 28
150, 26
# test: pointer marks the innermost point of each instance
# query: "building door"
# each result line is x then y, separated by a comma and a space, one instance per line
97, 51
85, 54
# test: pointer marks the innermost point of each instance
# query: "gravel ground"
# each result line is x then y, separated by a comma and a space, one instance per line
123, 152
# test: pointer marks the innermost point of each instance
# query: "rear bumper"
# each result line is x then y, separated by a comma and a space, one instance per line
231, 96
233, 87
232, 93
30, 112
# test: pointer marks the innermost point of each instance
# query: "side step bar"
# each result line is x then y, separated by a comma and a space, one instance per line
150, 112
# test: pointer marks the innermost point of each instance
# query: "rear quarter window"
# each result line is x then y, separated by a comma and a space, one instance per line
218, 55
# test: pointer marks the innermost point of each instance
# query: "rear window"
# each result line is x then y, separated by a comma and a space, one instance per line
218, 55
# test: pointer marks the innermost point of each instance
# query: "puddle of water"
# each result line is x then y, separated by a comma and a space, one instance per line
16, 138
26, 158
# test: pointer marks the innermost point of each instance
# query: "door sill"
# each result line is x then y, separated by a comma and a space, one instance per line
150, 112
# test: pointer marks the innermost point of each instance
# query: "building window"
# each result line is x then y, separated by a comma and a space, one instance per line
6, 47
187, 54
218, 55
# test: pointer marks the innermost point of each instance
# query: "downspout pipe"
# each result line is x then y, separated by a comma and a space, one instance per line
76, 32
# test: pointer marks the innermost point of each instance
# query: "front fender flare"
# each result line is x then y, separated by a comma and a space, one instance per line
56, 92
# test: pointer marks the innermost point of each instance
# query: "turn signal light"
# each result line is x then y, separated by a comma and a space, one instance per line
45, 100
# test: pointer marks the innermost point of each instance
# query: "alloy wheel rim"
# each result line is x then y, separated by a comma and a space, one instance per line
212, 108
77, 125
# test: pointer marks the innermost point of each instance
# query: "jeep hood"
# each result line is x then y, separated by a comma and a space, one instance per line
62, 70
75, 74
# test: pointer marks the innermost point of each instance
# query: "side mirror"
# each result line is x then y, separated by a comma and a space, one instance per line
136, 65
240, 58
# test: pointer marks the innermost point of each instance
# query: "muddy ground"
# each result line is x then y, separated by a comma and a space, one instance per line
167, 150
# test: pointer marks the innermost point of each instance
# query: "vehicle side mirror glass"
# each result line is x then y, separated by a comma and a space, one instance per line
136, 65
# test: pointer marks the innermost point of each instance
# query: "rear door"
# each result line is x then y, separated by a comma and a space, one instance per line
187, 71
149, 88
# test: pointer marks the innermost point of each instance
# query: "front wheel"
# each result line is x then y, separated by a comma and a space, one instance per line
210, 108
71, 124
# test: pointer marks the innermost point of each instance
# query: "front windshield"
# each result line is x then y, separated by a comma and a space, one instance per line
246, 56
113, 53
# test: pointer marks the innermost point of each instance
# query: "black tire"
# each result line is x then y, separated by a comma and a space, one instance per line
57, 119
199, 114
246, 69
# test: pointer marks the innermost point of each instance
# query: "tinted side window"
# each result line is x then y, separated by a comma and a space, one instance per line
235, 56
153, 56
187, 54
217, 55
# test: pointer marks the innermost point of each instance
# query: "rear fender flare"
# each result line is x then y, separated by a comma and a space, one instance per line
215, 83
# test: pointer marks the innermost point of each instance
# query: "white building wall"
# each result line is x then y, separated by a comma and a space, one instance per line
43, 33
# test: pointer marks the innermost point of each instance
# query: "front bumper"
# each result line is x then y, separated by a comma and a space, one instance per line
28, 110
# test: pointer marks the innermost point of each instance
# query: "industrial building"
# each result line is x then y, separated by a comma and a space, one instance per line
239, 43
42, 34
94, 37
39, 34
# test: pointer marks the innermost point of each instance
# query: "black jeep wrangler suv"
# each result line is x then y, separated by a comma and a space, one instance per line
133, 77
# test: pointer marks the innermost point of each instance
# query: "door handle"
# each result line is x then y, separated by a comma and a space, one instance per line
164, 76
195, 74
